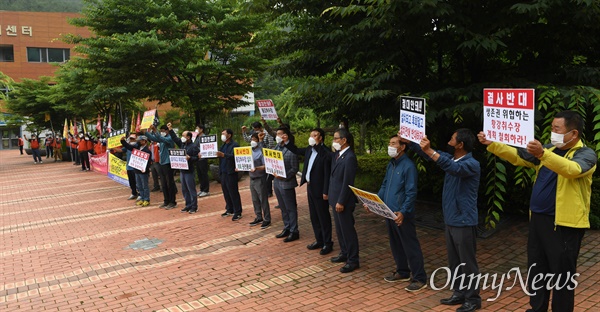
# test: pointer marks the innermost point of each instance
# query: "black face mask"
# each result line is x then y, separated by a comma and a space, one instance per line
450, 149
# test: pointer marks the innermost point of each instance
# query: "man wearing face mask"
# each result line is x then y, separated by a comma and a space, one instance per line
84, 146
342, 200
229, 177
202, 166
285, 188
258, 186
399, 192
559, 206
141, 177
459, 203
167, 181
188, 183
316, 171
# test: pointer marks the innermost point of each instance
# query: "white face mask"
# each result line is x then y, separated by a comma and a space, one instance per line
254, 144
163, 134
279, 140
336, 146
183, 139
87, 139
223, 138
392, 152
557, 139
312, 141
341, 126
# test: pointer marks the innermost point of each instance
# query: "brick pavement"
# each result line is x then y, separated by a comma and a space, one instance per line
66, 241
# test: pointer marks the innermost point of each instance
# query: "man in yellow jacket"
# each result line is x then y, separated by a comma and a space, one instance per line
559, 208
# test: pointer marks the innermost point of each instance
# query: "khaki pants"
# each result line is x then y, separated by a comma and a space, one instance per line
57, 154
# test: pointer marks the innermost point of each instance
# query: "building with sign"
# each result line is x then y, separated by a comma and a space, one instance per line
30, 47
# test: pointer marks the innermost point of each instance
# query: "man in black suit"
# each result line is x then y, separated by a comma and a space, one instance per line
342, 200
317, 168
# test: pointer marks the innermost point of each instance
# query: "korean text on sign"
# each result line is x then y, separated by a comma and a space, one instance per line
243, 158
412, 118
114, 138
508, 115
274, 162
148, 119
374, 203
139, 160
208, 146
178, 159
267, 109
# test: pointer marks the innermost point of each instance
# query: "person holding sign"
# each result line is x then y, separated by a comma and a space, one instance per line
202, 166
399, 192
342, 200
229, 177
258, 184
316, 171
188, 182
459, 203
167, 181
285, 188
141, 177
559, 206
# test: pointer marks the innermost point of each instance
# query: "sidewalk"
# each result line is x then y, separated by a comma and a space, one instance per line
70, 241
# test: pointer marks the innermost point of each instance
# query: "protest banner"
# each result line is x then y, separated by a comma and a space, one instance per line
508, 116
149, 119
267, 109
117, 170
138, 160
99, 163
374, 203
412, 118
114, 138
208, 146
243, 158
274, 162
178, 159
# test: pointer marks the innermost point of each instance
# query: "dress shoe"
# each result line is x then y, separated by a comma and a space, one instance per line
339, 258
349, 268
454, 300
292, 237
314, 246
328, 248
284, 233
468, 307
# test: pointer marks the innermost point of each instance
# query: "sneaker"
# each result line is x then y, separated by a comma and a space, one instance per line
265, 224
35, 162
193, 211
395, 277
202, 194
132, 197
139, 198
256, 222
226, 214
171, 206
415, 286
163, 205
41, 162
184, 210
145, 203
139, 202
156, 189
236, 217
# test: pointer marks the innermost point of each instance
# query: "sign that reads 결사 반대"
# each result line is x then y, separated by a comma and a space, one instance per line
274, 164
508, 115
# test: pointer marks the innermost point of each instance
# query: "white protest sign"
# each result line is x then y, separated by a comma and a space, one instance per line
267, 109
208, 146
138, 160
243, 158
508, 116
274, 162
412, 118
178, 159
374, 203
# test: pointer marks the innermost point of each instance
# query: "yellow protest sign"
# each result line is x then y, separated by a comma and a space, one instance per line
117, 169
148, 119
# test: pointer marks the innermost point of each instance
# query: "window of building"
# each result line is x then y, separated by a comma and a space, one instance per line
7, 53
45, 55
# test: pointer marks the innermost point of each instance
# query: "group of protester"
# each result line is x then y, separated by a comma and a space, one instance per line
80, 147
559, 206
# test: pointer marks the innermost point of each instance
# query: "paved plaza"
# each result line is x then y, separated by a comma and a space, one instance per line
71, 241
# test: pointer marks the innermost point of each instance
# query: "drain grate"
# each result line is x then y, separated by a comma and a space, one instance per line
145, 244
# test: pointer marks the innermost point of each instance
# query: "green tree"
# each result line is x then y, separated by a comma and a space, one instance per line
42, 5
198, 55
